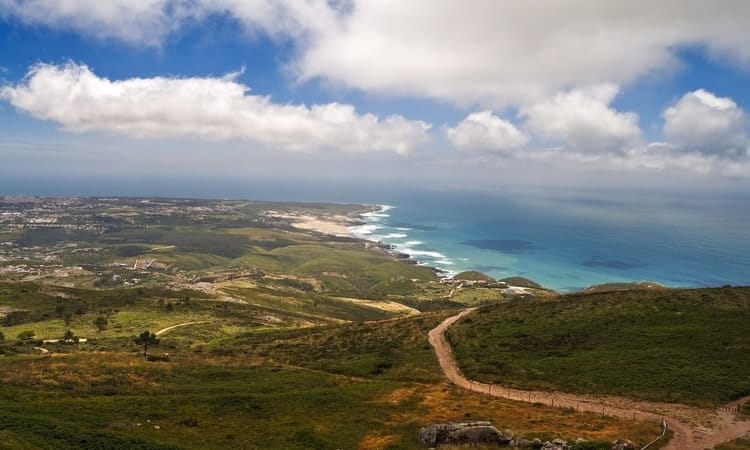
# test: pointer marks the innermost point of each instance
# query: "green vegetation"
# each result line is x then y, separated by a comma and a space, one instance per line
395, 350
676, 345
606, 287
269, 337
472, 275
198, 399
146, 339
521, 282
26, 335
741, 443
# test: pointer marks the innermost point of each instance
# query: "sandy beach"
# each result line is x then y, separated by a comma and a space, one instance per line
337, 225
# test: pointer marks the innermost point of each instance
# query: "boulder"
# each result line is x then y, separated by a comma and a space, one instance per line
471, 433
556, 444
623, 444
525, 443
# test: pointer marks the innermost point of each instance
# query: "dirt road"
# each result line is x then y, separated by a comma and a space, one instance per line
164, 330
693, 428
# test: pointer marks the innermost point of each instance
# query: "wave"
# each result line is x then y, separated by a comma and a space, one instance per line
378, 229
364, 230
428, 253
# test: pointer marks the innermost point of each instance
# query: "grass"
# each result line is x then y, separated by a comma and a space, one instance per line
395, 350
303, 363
680, 346
742, 443
119, 400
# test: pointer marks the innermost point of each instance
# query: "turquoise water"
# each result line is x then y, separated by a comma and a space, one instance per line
567, 243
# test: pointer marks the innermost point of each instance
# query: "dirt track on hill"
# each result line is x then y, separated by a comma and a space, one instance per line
164, 330
693, 428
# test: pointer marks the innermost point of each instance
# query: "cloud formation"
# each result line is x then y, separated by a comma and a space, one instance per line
507, 52
486, 131
701, 121
211, 108
584, 121
149, 22
495, 53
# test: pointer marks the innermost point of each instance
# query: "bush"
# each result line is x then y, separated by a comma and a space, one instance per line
26, 335
189, 422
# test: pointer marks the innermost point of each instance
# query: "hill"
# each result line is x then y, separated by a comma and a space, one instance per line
636, 285
521, 282
685, 345
472, 275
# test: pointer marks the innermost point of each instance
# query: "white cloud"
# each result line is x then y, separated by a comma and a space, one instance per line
701, 121
150, 21
485, 131
490, 52
511, 52
583, 119
212, 108
144, 21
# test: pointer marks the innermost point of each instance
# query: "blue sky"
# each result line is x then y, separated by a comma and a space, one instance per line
472, 94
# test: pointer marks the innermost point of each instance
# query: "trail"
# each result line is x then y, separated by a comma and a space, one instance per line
164, 330
693, 428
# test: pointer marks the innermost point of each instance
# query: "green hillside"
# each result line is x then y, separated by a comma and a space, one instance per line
676, 345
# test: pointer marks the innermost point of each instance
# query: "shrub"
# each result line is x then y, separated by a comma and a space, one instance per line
26, 335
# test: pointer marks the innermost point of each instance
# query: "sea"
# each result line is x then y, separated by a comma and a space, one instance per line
569, 242
564, 239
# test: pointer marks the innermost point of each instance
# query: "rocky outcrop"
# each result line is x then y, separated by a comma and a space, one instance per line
556, 444
526, 443
623, 444
462, 433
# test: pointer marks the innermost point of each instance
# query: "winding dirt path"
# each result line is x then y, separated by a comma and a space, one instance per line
693, 428
164, 330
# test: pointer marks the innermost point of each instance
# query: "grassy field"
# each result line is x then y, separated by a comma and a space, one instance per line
680, 346
201, 400
394, 349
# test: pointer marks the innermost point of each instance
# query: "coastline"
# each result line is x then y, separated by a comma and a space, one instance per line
373, 220
361, 225
338, 225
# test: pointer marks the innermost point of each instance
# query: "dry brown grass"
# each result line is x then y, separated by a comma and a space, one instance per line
444, 402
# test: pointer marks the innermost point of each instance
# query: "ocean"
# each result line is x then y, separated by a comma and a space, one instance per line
569, 242
565, 240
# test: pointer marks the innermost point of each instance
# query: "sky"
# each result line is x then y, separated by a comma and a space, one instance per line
482, 94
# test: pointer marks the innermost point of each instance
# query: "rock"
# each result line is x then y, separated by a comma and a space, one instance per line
623, 444
525, 443
434, 434
556, 444
462, 433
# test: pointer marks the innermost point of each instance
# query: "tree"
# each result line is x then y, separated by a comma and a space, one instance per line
101, 323
2, 337
145, 339
67, 318
69, 336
